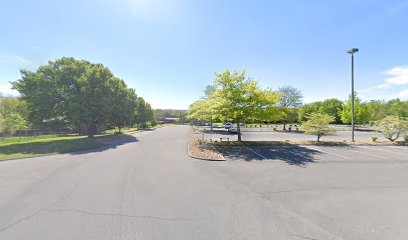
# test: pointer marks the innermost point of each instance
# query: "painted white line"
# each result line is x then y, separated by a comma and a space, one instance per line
373, 155
255, 153
382, 150
326, 152
399, 148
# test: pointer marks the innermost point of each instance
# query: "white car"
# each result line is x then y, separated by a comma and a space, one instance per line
228, 125
233, 129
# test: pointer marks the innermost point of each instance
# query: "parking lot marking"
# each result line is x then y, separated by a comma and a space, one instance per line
327, 152
256, 153
382, 150
399, 148
369, 154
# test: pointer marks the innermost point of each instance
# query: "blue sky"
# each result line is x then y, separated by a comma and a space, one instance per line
169, 50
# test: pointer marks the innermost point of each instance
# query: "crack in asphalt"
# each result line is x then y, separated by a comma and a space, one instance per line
266, 194
300, 236
125, 215
37, 212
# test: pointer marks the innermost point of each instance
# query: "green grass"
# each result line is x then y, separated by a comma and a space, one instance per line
22, 147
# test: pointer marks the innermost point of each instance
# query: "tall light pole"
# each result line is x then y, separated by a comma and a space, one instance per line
351, 52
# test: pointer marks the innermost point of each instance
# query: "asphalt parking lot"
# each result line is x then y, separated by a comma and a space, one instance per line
305, 154
267, 134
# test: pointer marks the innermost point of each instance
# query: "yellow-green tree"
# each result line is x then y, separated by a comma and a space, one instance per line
318, 123
239, 98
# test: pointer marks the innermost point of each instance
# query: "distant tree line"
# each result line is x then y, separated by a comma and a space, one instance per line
76, 94
235, 97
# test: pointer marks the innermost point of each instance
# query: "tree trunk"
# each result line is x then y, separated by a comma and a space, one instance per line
92, 130
211, 122
120, 129
239, 131
284, 125
318, 137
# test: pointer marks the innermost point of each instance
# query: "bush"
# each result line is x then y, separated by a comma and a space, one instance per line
393, 127
406, 138
374, 138
142, 125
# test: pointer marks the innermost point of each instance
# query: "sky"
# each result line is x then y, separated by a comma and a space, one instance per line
169, 50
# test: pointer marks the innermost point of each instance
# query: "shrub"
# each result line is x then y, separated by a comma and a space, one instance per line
393, 127
318, 123
406, 138
374, 138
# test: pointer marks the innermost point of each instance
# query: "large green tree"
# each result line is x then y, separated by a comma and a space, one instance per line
80, 92
332, 107
291, 99
240, 98
361, 110
144, 113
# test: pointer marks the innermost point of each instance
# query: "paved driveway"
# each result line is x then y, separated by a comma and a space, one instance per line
149, 189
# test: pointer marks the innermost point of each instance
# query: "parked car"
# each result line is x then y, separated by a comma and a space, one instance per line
233, 129
241, 124
228, 125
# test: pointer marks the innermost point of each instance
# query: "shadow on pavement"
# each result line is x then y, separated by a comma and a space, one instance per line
291, 154
109, 143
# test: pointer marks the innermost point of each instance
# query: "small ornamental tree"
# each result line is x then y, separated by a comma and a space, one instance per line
392, 127
318, 123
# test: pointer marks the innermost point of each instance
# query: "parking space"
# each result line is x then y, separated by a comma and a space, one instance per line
267, 134
305, 154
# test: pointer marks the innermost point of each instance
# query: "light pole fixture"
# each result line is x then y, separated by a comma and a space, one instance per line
351, 52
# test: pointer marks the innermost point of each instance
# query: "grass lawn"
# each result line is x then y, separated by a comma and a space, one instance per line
29, 146
22, 147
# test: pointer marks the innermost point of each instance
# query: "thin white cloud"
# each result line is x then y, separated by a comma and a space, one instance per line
399, 76
6, 90
390, 88
23, 60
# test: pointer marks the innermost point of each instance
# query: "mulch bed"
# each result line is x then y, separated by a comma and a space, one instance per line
200, 149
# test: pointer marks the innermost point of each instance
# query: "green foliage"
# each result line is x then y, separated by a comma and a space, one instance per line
361, 110
290, 101
290, 97
392, 127
318, 123
398, 108
12, 115
374, 138
144, 113
76, 92
332, 107
234, 97
378, 109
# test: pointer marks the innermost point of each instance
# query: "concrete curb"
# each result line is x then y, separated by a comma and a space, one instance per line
205, 159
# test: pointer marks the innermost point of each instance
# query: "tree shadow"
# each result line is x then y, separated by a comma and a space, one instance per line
289, 153
73, 146
109, 143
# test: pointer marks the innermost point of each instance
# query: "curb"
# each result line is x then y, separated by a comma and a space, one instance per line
204, 159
